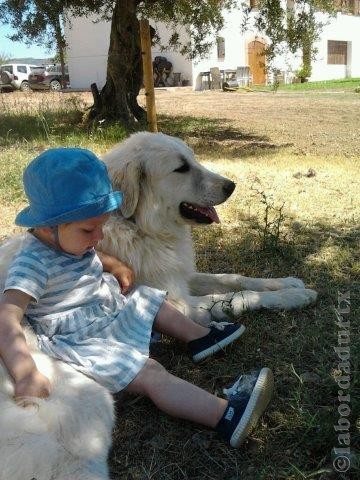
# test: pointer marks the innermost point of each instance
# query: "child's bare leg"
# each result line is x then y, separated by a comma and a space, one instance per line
173, 323
202, 341
177, 397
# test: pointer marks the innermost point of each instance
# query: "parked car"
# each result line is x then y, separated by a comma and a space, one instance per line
47, 77
14, 76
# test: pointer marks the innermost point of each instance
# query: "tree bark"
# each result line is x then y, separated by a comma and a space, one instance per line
124, 68
54, 19
61, 49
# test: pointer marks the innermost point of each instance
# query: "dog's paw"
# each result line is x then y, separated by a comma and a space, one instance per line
289, 299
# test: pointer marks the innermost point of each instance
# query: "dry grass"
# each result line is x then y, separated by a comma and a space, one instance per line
302, 151
310, 123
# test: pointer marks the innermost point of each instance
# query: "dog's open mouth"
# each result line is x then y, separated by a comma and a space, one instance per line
199, 214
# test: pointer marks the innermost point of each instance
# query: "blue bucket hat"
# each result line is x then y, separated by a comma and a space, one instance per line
65, 185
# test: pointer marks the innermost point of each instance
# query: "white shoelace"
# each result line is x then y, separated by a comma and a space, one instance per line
233, 389
219, 325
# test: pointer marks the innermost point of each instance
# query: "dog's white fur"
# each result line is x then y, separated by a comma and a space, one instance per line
152, 235
69, 434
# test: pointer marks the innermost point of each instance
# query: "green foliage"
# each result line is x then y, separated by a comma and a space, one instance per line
33, 20
294, 29
201, 22
304, 71
36, 21
275, 82
42, 22
39, 21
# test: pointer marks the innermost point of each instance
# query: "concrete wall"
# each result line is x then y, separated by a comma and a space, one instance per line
180, 63
342, 28
88, 44
235, 48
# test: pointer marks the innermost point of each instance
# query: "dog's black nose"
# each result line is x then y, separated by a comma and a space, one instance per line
228, 188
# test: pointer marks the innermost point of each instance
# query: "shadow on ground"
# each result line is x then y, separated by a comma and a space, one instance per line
217, 137
65, 127
297, 432
34, 126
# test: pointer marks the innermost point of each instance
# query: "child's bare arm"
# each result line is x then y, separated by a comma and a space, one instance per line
14, 352
122, 272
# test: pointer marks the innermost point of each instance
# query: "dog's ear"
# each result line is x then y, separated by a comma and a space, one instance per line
127, 180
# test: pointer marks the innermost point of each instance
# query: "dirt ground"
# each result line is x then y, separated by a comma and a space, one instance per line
320, 123
317, 123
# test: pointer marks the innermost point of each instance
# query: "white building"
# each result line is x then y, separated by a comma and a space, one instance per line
338, 50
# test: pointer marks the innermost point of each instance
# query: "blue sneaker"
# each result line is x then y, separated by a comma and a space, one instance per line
221, 334
248, 398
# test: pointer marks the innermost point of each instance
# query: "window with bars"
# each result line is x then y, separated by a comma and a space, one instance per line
348, 7
337, 52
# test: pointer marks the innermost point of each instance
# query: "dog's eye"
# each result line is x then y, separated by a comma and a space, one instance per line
185, 167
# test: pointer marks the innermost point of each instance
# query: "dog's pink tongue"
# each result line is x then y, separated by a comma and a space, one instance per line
209, 212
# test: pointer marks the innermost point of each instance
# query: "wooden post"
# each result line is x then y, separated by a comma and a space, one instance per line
148, 74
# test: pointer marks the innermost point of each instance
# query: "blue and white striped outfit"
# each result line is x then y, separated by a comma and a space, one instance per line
79, 314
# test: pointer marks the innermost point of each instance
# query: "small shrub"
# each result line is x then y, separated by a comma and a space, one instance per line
304, 73
270, 230
275, 80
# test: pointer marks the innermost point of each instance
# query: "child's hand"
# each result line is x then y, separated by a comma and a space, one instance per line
35, 384
124, 275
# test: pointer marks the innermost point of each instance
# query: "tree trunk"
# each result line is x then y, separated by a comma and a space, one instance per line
60, 44
118, 98
61, 48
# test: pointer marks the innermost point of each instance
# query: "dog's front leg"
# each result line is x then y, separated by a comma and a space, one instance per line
221, 307
208, 283
207, 308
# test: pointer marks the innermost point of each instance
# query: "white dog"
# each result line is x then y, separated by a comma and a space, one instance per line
65, 437
166, 191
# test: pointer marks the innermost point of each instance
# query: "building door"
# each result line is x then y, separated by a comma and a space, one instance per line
256, 55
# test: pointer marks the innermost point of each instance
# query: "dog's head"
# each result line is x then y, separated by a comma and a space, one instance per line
163, 183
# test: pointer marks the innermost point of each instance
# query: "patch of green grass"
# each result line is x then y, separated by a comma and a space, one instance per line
342, 84
56, 128
11, 189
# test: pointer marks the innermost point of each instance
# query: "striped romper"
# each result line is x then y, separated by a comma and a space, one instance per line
79, 314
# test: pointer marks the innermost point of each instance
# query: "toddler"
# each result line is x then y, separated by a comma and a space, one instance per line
72, 299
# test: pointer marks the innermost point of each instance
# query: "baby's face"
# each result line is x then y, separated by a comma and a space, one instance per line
78, 237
